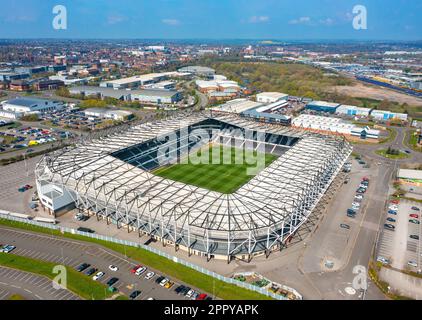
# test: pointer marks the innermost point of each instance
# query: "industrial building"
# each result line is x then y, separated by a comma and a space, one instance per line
353, 111
155, 96
112, 178
31, 105
199, 71
141, 80
388, 115
322, 106
118, 115
333, 125
271, 97
217, 85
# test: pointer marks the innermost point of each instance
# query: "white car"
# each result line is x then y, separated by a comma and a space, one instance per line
393, 207
149, 275
113, 268
140, 271
383, 260
356, 204
190, 293
163, 282
98, 276
412, 264
7, 249
359, 196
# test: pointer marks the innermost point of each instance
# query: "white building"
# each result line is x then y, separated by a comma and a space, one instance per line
118, 115
333, 125
31, 105
388, 115
271, 97
237, 106
141, 80
353, 111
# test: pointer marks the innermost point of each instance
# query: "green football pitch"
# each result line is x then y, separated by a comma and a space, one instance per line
222, 173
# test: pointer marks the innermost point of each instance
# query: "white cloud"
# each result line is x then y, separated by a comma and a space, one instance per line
327, 22
171, 22
114, 19
259, 19
301, 20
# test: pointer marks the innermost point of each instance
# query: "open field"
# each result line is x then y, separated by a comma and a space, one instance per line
365, 90
226, 176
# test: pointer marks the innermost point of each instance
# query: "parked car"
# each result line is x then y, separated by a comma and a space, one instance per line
414, 237
159, 279
195, 295
113, 268
351, 215
140, 271
392, 212
179, 289
202, 296
395, 201
414, 216
383, 260
112, 281
344, 226
164, 282
7, 248
190, 293
149, 275
91, 271
98, 276
389, 219
135, 268
389, 226
87, 230
415, 208
412, 264
414, 221
135, 294
82, 267
168, 285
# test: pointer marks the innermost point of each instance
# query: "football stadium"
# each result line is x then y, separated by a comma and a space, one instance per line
214, 185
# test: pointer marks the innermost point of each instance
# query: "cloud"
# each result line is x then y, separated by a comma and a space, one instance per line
301, 20
115, 18
259, 19
327, 22
171, 22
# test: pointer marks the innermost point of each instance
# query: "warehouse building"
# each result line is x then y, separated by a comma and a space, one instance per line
353, 111
199, 71
31, 105
388, 115
155, 96
140, 80
271, 97
332, 125
322, 106
118, 115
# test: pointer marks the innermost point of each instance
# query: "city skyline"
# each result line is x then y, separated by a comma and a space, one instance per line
188, 19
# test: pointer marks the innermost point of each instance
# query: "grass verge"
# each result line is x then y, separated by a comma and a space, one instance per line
383, 153
78, 283
192, 277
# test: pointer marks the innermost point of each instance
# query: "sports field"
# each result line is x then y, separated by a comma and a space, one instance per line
225, 176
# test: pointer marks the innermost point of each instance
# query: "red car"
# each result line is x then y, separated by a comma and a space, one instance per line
28, 187
395, 201
414, 216
365, 179
202, 296
135, 268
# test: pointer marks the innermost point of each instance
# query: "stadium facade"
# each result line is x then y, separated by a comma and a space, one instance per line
112, 178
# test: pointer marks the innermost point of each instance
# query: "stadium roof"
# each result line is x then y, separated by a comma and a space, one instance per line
267, 200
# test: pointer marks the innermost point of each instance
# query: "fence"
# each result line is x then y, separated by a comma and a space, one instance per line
263, 291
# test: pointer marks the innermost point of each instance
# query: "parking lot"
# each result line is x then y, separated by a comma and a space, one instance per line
29, 137
13, 177
74, 253
401, 246
31, 286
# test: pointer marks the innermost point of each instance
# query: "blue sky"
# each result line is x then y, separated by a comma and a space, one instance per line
213, 19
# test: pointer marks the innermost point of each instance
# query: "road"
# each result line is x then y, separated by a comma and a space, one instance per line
72, 253
30, 286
